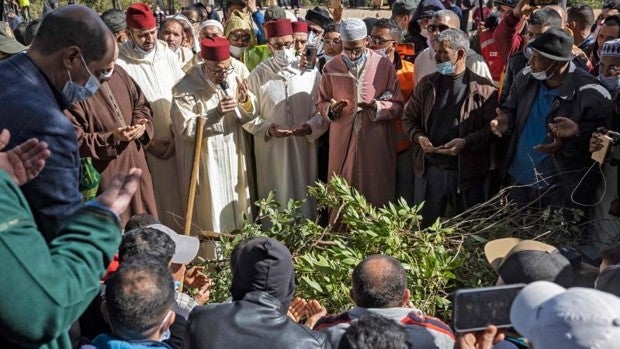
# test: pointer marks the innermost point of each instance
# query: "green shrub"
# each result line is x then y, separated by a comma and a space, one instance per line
438, 260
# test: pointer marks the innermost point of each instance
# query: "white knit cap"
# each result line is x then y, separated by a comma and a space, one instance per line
611, 48
353, 29
210, 22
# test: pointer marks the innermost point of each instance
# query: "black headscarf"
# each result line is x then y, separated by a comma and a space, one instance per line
263, 264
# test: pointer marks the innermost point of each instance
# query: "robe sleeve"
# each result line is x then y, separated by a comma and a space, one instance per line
97, 145
325, 96
258, 126
141, 110
317, 123
391, 106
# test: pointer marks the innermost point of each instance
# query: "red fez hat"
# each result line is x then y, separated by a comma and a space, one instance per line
140, 16
215, 49
280, 27
300, 27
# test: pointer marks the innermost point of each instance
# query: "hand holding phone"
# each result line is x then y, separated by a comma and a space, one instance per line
476, 308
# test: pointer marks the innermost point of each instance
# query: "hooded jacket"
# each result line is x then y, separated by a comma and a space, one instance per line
262, 289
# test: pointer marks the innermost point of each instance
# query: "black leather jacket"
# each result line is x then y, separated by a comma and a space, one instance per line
257, 322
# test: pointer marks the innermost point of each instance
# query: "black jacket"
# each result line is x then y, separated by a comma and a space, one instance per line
257, 322
581, 98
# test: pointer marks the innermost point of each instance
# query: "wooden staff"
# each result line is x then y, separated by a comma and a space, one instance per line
191, 197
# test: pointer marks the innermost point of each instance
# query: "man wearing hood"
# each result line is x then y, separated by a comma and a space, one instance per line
263, 284
223, 196
156, 69
288, 124
239, 32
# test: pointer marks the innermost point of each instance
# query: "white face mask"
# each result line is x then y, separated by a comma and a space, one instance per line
284, 57
541, 75
236, 51
381, 52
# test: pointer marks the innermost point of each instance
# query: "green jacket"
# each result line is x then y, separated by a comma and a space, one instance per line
44, 288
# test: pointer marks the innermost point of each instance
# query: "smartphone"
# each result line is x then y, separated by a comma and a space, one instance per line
475, 308
310, 57
543, 2
599, 155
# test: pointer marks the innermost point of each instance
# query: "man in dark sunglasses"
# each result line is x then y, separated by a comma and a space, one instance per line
425, 61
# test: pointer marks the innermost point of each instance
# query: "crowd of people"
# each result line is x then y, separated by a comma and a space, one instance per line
126, 120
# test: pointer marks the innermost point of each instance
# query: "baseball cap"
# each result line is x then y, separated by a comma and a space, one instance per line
550, 316
186, 246
526, 261
8, 43
402, 7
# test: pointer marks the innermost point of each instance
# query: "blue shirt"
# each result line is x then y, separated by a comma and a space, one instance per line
528, 165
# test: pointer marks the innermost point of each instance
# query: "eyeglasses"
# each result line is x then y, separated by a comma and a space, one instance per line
282, 45
220, 72
377, 40
437, 27
611, 69
240, 37
335, 42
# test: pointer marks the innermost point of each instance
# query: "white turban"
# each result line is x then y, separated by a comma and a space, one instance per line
611, 48
353, 29
211, 22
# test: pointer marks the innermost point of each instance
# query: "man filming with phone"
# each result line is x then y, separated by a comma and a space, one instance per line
547, 159
446, 119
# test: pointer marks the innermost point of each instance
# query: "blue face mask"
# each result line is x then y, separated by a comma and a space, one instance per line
354, 63
74, 92
445, 68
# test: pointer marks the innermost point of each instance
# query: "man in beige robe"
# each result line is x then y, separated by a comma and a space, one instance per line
223, 192
156, 70
360, 94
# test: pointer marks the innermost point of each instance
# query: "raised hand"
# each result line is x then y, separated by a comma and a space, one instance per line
499, 125
25, 161
120, 191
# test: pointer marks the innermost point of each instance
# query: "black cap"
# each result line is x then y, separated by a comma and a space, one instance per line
554, 44
403, 7
320, 16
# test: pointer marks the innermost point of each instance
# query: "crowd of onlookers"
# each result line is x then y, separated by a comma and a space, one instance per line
145, 123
